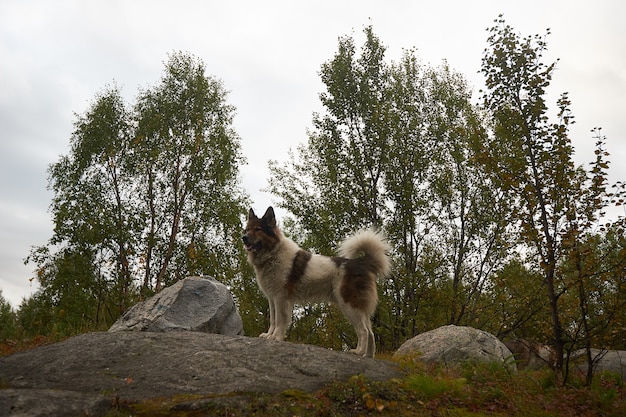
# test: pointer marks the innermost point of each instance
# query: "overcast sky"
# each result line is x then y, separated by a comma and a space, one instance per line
55, 56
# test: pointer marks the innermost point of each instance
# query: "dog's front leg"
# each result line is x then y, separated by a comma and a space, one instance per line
282, 318
270, 331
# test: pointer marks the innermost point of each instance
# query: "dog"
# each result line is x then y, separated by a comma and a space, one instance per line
287, 274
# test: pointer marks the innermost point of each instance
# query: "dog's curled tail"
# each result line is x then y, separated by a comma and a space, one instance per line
373, 246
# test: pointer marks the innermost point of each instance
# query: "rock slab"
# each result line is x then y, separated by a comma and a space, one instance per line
92, 372
199, 304
451, 345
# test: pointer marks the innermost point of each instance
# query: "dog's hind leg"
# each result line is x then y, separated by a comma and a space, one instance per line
363, 328
371, 343
366, 345
363, 347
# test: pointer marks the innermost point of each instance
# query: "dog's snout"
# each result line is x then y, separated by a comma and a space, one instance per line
245, 239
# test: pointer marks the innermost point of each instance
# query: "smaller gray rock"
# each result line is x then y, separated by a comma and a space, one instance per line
606, 360
200, 304
451, 345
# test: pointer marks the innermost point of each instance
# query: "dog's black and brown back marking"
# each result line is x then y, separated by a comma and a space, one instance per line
359, 281
300, 262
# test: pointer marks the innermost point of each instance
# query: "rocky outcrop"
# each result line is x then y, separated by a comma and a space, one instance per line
603, 360
90, 373
456, 344
200, 304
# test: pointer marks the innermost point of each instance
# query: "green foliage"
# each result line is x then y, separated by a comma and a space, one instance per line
186, 165
391, 151
36, 316
557, 205
428, 387
73, 297
322, 325
147, 195
7, 320
515, 307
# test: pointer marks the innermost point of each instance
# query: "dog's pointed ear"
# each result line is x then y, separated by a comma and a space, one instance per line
269, 218
251, 215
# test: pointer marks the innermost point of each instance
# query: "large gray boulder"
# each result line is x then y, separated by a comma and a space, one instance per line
451, 345
92, 373
200, 304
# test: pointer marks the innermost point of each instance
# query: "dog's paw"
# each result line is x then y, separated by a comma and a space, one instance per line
264, 335
357, 352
